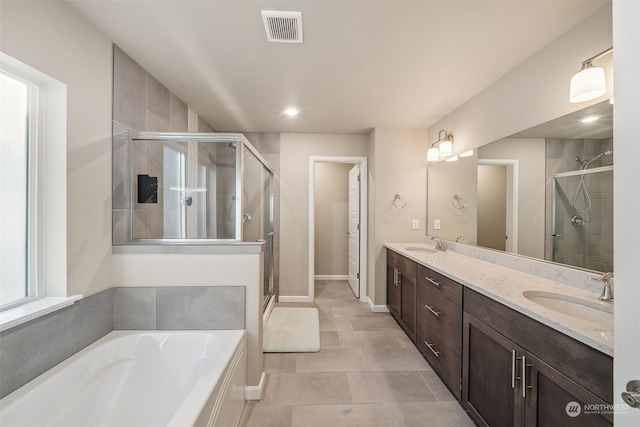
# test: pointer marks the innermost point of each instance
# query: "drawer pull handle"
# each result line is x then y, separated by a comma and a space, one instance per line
437, 353
432, 281
435, 313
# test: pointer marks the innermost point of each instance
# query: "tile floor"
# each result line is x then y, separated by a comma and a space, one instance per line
367, 373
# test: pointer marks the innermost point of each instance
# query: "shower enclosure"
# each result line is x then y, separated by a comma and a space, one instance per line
582, 221
192, 188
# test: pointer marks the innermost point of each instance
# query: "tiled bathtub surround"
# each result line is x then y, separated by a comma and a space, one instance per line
190, 307
32, 348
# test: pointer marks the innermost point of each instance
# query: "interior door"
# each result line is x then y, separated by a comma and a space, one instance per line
354, 230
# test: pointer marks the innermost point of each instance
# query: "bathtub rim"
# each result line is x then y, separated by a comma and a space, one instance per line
195, 400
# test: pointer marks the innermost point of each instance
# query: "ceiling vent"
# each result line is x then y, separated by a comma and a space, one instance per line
282, 27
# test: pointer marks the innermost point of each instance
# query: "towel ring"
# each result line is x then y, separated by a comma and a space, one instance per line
395, 199
458, 202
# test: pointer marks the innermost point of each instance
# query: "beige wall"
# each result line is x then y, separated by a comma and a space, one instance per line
530, 153
52, 38
534, 92
397, 165
445, 181
492, 206
295, 150
331, 218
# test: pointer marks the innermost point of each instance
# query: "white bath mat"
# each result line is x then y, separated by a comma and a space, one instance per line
292, 330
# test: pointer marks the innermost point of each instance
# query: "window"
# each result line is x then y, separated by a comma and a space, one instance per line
18, 148
33, 193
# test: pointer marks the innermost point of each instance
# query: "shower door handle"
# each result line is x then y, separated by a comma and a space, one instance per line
557, 235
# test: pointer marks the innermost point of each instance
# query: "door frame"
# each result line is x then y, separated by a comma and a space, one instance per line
362, 163
512, 166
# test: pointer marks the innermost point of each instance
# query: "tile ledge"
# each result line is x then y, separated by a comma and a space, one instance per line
32, 310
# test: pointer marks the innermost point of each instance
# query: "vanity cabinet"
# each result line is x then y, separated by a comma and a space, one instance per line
439, 325
517, 371
401, 291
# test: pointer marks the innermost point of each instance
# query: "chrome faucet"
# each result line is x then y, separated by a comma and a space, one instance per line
607, 293
439, 243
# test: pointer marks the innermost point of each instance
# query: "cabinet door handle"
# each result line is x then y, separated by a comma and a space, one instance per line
435, 313
432, 281
437, 353
514, 368
395, 276
524, 377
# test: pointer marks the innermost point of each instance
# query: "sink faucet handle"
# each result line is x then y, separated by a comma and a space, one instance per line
605, 277
607, 293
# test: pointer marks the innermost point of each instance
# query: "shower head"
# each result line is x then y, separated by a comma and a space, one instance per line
233, 145
586, 164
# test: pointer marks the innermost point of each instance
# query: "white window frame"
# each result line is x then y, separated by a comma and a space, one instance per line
47, 268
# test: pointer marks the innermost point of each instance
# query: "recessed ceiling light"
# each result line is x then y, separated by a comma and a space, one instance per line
291, 111
590, 119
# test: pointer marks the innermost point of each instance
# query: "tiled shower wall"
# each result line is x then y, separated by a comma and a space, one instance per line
591, 245
142, 103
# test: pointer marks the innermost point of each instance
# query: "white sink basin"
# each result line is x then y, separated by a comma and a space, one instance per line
592, 311
425, 249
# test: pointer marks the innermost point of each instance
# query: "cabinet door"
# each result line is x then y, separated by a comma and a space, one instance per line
556, 401
393, 291
408, 305
491, 386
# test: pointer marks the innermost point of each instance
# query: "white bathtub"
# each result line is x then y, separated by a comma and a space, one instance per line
138, 379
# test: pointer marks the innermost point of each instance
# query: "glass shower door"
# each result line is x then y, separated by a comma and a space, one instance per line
257, 215
583, 219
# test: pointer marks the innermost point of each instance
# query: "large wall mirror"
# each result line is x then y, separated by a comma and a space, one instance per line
545, 193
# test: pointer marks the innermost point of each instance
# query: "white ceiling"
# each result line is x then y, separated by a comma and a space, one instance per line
362, 64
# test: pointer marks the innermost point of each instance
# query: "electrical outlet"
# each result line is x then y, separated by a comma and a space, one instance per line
416, 224
436, 224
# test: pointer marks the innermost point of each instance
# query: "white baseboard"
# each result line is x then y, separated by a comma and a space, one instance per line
254, 392
377, 308
301, 298
331, 277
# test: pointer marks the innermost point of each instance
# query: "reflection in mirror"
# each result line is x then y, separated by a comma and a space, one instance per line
545, 193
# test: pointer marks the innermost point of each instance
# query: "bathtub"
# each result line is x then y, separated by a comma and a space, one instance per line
138, 379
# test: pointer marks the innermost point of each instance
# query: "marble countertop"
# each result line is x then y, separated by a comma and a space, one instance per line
506, 285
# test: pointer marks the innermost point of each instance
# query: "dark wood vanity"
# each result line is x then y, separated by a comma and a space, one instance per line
506, 368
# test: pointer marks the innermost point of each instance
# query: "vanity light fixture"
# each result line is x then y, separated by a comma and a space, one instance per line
588, 83
445, 148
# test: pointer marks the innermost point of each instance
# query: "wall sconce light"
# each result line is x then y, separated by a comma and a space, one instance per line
588, 83
445, 148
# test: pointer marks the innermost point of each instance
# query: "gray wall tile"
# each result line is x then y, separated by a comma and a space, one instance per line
129, 91
30, 349
179, 116
200, 307
134, 308
158, 99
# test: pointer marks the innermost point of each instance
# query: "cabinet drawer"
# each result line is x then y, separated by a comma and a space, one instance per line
405, 265
440, 315
442, 356
446, 287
